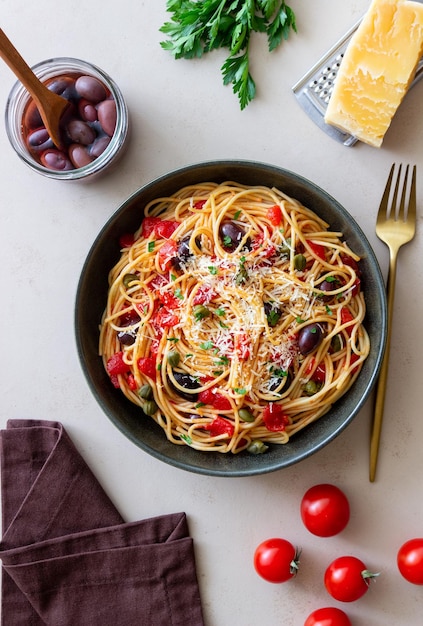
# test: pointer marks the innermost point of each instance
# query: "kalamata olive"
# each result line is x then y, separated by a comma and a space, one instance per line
188, 382
231, 235
107, 116
79, 155
184, 251
80, 132
127, 337
56, 160
64, 86
99, 146
273, 313
87, 110
39, 140
90, 88
327, 286
280, 381
32, 118
309, 338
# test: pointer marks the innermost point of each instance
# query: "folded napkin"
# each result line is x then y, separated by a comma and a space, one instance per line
68, 557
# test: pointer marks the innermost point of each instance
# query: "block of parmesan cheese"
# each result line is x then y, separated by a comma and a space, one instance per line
377, 69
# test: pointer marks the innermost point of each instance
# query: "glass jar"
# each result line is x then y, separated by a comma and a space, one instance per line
19, 99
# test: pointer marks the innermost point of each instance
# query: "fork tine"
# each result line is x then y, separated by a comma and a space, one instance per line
393, 208
384, 203
413, 196
401, 210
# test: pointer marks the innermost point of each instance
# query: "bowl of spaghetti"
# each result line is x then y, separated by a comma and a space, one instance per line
231, 318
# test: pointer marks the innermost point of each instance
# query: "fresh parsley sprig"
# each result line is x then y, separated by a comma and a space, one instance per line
199, 26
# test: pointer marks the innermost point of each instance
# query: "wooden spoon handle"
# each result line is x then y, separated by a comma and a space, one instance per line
19, 67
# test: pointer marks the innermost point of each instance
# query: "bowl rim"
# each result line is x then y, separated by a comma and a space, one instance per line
259, 467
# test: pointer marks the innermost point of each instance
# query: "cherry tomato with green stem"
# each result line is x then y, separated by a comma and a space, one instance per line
347, 578
328, 616
276, 560
410, 561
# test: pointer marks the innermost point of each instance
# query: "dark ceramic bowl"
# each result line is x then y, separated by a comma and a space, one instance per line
91, 300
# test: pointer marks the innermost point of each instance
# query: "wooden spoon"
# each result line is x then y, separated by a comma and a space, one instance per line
50, 105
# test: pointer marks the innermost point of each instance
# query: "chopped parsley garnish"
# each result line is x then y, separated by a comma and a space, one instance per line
186, 438
174, 339
213, 270
241, 392
151, 246
220, 312
179, 294
237, 214
206, 345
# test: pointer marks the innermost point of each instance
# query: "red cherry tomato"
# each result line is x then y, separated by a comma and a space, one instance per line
276, 560
325, 510
274, 215
347, 579
410, 561
274, 417
328, 616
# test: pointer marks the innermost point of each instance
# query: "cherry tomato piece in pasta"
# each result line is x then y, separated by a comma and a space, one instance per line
274, 215
328, 616
276, 560
325, 510
220, 426
274, 417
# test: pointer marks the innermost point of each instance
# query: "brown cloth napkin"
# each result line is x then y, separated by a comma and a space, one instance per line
68, 557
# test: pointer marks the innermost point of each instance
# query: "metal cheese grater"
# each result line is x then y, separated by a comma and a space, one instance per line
314, 89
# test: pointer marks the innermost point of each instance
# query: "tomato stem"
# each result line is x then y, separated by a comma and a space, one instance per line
369, 576
294, 566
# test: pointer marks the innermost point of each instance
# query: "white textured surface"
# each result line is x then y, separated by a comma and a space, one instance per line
181, 113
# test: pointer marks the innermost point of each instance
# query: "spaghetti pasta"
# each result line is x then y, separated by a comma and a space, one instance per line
234, 317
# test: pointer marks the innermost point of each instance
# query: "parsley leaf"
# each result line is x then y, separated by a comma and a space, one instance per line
199, 26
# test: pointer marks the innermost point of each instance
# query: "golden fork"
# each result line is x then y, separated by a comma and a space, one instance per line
395, 226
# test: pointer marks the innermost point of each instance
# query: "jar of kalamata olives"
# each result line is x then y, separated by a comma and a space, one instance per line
94, 129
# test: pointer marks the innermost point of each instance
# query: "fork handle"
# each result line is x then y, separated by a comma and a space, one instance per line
383, 375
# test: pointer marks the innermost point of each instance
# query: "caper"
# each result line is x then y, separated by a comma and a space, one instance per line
311, 387
173, 358
150, 407
285, 248
300, 262
145, 392
241, 277
336, 343
128, 279
200, 312
257, 447
246, 415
